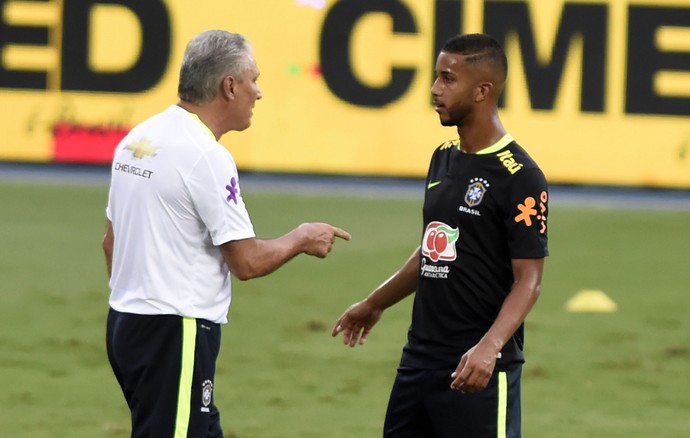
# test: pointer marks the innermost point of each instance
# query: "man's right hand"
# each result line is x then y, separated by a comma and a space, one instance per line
319, 238
356, 323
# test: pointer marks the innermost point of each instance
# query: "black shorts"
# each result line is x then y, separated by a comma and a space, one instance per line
422, 405
165, 365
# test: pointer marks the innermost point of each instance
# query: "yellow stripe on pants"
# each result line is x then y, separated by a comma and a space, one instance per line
184, 395
502, 404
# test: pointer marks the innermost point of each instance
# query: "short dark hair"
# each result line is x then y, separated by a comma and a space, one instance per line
480, 48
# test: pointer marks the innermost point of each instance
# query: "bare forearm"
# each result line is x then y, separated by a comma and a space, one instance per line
513, 312
107, 244
398, 286
357, 321
262, 257
109, 263
518, 303
477, 365
251, 258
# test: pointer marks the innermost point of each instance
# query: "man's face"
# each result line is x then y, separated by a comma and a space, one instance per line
453, 89
247, 92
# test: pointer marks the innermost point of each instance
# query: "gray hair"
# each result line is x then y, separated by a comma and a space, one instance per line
209, 57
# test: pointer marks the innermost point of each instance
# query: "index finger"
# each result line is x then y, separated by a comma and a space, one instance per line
339, 232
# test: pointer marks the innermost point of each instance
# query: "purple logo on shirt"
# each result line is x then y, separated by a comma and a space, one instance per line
232, 188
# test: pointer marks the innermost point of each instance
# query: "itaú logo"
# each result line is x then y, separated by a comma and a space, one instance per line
439, 241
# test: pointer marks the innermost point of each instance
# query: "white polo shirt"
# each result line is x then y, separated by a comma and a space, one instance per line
174, 198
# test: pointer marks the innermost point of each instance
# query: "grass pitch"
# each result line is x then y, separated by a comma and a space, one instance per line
280, 374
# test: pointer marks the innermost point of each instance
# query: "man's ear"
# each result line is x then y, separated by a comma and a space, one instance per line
482, 91
228, 87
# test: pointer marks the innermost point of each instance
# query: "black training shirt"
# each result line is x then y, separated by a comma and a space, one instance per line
480, 212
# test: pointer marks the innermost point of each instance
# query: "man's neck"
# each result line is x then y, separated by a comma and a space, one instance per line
478, 136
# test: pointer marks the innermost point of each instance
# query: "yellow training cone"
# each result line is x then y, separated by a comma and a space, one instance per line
588, 300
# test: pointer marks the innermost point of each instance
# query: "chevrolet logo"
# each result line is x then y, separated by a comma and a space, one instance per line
142, 149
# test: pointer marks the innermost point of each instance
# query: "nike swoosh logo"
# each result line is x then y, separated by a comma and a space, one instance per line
433, 184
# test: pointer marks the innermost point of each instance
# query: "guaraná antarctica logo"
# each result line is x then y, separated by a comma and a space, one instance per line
439, 241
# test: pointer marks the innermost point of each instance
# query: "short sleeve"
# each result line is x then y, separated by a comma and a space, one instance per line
215, 191
526, 223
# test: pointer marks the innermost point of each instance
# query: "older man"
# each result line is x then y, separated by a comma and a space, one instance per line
177, 226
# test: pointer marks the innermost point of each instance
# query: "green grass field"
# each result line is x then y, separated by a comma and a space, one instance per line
280, 374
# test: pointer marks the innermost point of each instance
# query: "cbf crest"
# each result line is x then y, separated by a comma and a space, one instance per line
206, 394
475, 191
